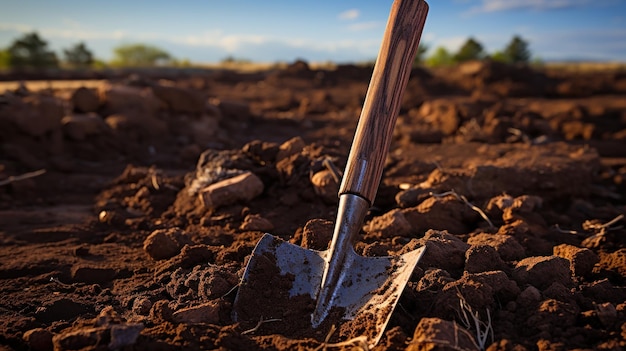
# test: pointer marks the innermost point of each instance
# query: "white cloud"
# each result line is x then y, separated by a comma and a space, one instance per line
349, 15
234, 42
538, 5
15, 27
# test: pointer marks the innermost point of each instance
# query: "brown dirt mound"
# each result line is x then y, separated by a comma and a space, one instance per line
138, 231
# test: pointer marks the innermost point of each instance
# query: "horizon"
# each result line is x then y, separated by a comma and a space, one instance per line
321, 31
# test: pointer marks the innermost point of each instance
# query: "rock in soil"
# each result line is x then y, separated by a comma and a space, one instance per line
205, 313
243, 187
325, 185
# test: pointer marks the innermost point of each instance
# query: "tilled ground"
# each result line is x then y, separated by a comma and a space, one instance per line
155, 193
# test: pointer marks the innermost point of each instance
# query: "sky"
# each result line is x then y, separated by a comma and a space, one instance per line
205, 31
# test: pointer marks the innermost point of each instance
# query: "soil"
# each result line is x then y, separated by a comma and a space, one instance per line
513, 178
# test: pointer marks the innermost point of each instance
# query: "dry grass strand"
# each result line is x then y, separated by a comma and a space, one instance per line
469, 204
24, 176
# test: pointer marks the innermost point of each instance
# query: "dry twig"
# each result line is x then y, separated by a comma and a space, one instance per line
602, 228
360, 342
336, 173
481, 328
565, 231
599, 230
230, 291
24, 176
155, 182
323, 345
471, 205
438, 165
56, 280
259, 324
517, 135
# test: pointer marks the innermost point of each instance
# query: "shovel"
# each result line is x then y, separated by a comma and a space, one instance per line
301, 291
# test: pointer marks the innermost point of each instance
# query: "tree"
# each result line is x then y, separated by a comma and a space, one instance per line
232, 60
78, 56
182, 63
441, 57
99, 64
30, 51
471, 50
140, 55
500, 56
4, 58
517, 50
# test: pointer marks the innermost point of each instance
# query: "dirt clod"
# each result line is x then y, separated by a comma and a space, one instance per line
439, 334
483, 258
581, 260
256, 222
317, 234
165, 243
38, 339
505, 245
391, 224
443, 250
542, 271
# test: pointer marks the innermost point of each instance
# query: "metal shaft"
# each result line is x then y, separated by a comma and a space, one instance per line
370, 145
350, 216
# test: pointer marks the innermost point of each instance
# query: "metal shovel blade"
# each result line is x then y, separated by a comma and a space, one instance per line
370, 288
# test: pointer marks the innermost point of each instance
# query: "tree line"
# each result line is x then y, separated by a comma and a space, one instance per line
516, 51
30, 51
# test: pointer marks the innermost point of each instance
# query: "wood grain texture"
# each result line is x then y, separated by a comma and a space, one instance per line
384, 95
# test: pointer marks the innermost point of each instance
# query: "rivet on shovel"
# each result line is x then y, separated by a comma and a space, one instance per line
338, 281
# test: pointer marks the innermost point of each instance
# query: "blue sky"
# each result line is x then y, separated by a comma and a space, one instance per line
316, 30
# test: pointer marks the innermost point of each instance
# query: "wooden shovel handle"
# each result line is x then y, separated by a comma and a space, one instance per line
384, 95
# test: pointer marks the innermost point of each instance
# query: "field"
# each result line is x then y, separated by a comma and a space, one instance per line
116, 234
